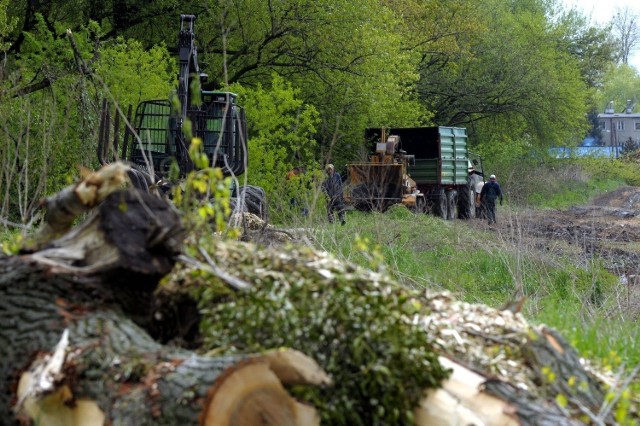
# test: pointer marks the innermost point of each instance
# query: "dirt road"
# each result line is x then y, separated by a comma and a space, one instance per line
607, 228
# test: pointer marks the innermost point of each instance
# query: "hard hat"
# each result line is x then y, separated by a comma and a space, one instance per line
329, 167
492, 177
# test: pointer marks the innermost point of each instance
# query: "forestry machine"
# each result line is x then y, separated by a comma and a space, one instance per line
384, 180
439, 176
157, 138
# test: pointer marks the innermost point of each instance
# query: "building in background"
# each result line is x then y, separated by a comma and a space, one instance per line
617, 129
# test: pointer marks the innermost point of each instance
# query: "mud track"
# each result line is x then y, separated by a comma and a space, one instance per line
606, 229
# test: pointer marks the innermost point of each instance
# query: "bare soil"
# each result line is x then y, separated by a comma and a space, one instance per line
606, 229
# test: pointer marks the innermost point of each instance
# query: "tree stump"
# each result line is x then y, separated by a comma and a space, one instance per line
73, 314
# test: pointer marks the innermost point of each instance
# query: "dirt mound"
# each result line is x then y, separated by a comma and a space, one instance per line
627, 197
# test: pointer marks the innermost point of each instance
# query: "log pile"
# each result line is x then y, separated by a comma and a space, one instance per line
75, 311
85, 326
529, 372
504, 370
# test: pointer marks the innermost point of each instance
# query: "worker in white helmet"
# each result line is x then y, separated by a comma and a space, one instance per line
491, 192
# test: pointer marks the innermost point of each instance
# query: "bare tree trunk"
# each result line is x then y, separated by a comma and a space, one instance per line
626, 27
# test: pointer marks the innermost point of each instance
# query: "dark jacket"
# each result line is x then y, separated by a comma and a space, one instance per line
333, 186
490, 191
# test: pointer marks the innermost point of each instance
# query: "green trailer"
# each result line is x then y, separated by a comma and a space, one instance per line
440, 166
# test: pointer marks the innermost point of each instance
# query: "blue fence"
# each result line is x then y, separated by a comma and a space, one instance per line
587, 151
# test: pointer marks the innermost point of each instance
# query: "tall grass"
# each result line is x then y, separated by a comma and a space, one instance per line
491, 267
543, 181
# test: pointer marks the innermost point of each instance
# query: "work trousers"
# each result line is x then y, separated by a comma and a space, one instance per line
490, 209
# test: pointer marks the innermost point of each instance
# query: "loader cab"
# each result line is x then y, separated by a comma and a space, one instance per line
219, 122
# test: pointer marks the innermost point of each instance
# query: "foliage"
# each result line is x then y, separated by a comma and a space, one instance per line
10, 241
281, 129
133, 74
281, 137
33, 165
629, 147
48, 134
354, 322
621, 170
7, 24
204, 195
561, 195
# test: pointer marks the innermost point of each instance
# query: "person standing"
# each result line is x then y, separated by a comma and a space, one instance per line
332, 186
491, 191
476, 182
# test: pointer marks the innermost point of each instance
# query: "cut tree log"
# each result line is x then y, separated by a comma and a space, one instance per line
63, 207
469, 397
75, 351
531, 370
461, 400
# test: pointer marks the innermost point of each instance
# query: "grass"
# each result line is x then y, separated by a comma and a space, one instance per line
573, 193
487, 267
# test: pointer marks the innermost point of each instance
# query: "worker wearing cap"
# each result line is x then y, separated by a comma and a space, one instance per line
491, 191
332, 186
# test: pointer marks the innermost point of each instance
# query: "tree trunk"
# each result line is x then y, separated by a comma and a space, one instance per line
89, 294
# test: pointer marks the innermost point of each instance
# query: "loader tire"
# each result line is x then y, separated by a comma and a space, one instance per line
254, 200
420, 207
452, 196
466, 204
439, 207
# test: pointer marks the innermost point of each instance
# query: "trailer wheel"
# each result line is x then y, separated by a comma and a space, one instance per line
420, 207
452, 196
466, 204
439, 200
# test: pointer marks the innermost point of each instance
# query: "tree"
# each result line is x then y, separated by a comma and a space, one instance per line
508, 75
629, 147
343, 56
593, 46
625, 24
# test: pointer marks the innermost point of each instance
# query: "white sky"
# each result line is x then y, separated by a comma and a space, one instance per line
601, 12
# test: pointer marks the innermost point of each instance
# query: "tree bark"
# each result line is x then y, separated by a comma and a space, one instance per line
88, 294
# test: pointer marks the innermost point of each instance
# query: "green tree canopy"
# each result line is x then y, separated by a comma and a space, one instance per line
622, 84
508, 71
